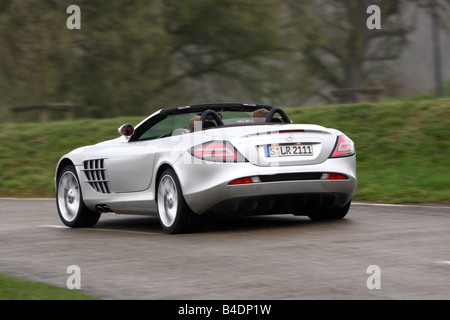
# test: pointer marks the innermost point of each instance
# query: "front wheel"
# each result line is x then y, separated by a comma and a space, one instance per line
69, 200
175, 215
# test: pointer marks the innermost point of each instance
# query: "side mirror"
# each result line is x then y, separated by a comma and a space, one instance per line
126, 130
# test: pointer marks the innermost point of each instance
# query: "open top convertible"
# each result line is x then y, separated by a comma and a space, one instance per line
227, 158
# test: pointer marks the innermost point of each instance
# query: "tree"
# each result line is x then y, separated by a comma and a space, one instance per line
33, 50
121, 55
338, 48
129, 55
437, 9
219, 40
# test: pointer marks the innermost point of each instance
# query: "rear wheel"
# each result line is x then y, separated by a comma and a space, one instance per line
335, 213
175, 215
69, 200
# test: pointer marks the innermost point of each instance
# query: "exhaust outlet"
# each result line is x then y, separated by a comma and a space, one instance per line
103, 208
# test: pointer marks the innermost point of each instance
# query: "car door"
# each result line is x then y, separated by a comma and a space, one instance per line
130, 166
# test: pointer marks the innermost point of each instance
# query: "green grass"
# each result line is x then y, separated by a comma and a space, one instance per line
403, 148
29, 152
16, 289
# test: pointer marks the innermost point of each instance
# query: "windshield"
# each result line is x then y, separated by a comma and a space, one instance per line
187, 122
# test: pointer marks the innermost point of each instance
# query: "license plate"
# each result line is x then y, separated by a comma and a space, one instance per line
289, 150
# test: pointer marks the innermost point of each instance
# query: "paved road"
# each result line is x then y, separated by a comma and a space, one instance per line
272, 257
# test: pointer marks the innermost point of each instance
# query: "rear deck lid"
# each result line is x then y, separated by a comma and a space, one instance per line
280, 145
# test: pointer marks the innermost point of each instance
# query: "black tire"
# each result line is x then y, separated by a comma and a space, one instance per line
330, 214
175, 215
69, 201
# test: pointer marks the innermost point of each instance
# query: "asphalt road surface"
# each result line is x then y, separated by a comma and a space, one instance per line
376, 252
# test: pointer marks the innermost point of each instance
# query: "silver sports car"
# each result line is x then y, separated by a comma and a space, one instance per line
186, 162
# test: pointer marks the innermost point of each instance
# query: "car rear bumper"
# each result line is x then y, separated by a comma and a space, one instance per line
292, 188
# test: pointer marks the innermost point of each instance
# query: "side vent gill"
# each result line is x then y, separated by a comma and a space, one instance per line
95, 174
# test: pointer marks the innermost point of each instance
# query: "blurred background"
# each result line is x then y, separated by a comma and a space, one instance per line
132, 57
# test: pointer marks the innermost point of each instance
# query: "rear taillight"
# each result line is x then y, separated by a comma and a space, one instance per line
218, 151
333, 176
344, 147
245, 180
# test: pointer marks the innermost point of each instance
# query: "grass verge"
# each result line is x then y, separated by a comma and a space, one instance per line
15, 289
403, 147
